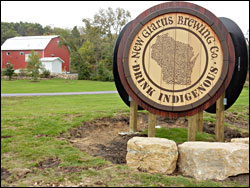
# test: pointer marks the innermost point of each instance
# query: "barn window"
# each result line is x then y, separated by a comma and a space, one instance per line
21, 53
7, 53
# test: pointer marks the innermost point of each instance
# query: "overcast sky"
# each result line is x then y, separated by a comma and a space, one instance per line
67, 14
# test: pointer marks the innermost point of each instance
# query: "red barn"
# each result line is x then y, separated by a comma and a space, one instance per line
16, 50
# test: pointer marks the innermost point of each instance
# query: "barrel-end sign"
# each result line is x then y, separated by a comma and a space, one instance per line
175, 59
175, 62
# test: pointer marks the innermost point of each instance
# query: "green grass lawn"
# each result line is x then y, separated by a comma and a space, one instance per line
242, 102
24, 118
180, 135
239, 108
54, 85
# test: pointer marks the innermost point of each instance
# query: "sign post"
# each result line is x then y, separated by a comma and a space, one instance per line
151, 124
219, 128
192, 127
133, 117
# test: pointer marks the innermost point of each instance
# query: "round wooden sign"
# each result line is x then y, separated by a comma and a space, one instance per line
175, 58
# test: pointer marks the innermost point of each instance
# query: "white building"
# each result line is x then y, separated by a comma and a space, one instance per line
53, 64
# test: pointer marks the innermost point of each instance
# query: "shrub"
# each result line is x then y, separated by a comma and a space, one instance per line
9, 70
103, 73
46, 73
106, 76
84, 72
23, 72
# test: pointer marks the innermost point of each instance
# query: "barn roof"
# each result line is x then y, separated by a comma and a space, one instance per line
27, 43
49, 59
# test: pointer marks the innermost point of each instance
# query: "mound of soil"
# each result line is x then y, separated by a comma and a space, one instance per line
244, 178
49, 163
116, 150
228, 133
4, 173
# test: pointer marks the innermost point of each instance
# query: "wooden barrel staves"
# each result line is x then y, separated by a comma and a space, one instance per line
241, 65
121, 90
175, 59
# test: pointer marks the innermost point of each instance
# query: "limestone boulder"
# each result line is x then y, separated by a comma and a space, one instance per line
213, 160
240, 140
154, 155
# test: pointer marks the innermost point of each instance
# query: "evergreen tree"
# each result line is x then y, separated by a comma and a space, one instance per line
8, 71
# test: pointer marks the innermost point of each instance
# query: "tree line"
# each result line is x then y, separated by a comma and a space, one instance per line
90, 47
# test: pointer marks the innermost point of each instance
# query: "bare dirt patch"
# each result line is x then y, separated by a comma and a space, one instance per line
244, 178
49, 163
101, 136
234, 118
72, 169
116, 150
4, 173
228, 132
6, 136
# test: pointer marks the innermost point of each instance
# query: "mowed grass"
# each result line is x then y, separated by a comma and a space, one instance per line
240, 108
54, 85
180, 135
242, 102
30, 129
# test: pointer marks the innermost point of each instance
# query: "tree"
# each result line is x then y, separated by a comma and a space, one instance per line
93, 43
76, 36
8, 71
7, 31
34, 65
111, 21
48, 30
72, 40
86, 64
99, 39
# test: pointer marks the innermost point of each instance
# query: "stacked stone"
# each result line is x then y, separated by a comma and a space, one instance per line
201, 160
